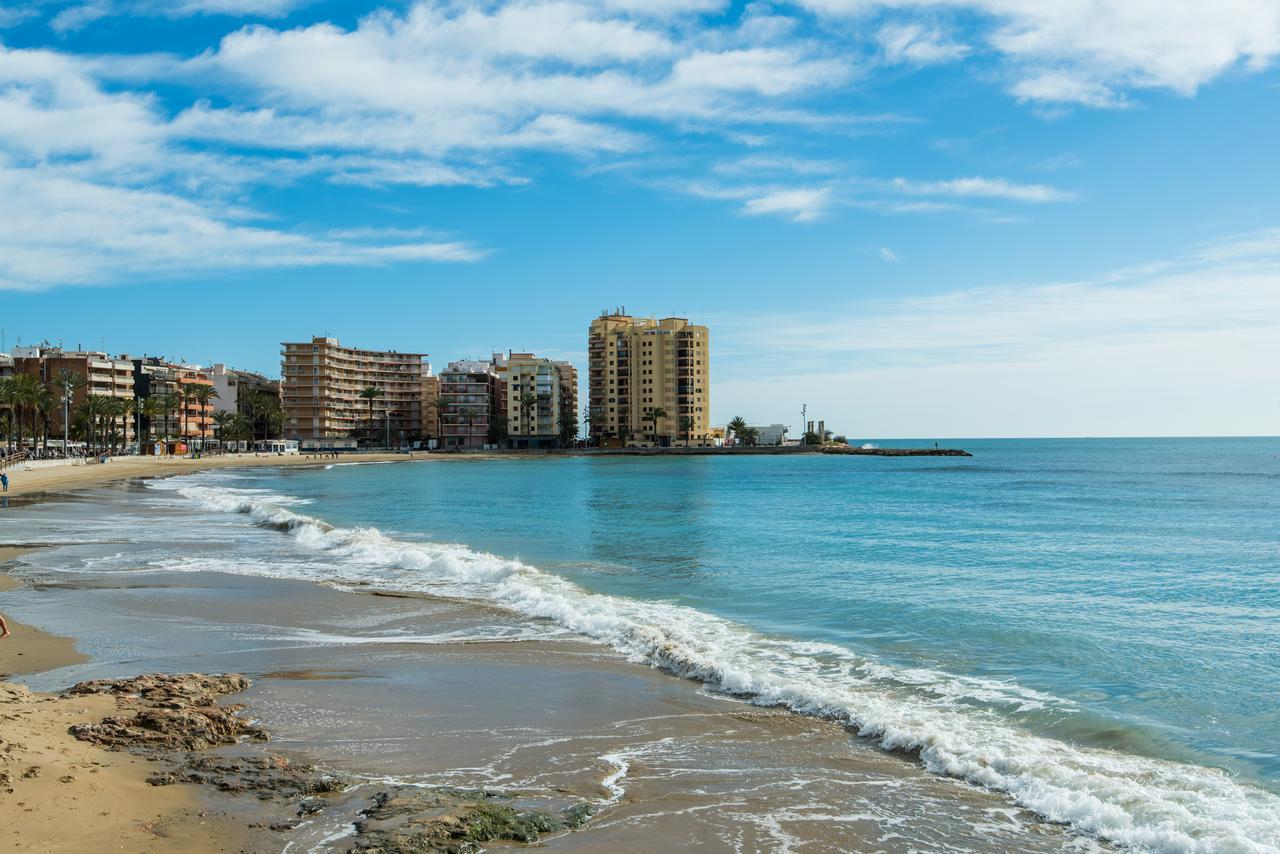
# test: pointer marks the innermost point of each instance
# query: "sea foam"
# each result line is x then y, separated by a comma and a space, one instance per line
957, 726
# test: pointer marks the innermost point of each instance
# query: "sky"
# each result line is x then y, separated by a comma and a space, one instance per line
920, 218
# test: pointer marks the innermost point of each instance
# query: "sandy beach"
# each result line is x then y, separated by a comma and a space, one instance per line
25, 481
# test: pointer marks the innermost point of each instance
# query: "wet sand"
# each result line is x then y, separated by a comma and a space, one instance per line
27, 649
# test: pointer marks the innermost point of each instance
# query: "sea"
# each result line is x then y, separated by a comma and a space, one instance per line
1089, 628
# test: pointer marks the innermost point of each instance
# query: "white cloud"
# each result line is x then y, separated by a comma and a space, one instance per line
917, 44
989, 188
1119, 355
804, 204
60, 230
78, 17
1087, 52
888, 255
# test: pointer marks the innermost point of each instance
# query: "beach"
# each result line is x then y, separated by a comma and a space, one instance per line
82, 473
407, 663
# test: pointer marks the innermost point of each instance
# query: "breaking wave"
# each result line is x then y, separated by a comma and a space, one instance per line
961, 727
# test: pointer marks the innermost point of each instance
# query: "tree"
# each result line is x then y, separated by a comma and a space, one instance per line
150, 409
220, 422
239, 428
528, 404
10, 400
737, 425
203, 395
275, 423
686, 427
748, 435
18, 395
655, 415
43, 402
170, 403
497, 432
371, 393
114, 409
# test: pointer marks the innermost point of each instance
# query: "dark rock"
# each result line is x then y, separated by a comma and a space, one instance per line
310, 806
173, 712
452, 822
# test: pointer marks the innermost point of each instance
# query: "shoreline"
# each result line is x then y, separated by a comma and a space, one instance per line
642, 706
60, 478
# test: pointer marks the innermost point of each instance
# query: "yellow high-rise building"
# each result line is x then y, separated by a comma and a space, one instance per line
642, 365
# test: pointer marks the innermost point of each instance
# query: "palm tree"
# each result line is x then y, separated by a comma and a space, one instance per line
171, 403
116, 408
686, 427
528, 402
371, 393
150, 408
203, 396
655, 415
220, 422
43, 402
737, 426
10, 400
275, 423
91, 412
19, 395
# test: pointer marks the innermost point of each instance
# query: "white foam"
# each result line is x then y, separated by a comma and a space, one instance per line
957, 726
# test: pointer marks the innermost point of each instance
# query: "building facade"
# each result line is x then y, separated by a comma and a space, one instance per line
180, 416
237, 388
320, 390
431, 408
473, 399
541, 402
639, 366
102, 376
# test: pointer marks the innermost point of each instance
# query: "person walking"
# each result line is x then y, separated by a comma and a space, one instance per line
4, 482
4, 628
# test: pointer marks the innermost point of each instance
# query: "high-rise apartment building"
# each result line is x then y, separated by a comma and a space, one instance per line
473, 397
541, 401
640, 366
321, 384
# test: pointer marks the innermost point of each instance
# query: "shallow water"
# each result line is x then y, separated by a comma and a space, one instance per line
1089, 626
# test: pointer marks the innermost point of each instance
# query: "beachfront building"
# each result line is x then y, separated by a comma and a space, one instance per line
541, 401
321, 385
473, 408
179, 415
640, 366
101, 375
770, 434
236, 390
430, 408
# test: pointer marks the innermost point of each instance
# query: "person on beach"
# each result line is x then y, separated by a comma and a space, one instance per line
4, 482
4, 628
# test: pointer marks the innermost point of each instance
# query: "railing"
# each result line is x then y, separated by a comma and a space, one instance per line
12, 459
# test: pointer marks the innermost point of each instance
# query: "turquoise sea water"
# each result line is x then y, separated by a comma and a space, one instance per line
1138, 580
1092, 626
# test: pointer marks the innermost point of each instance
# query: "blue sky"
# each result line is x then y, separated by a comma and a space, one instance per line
919, 217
